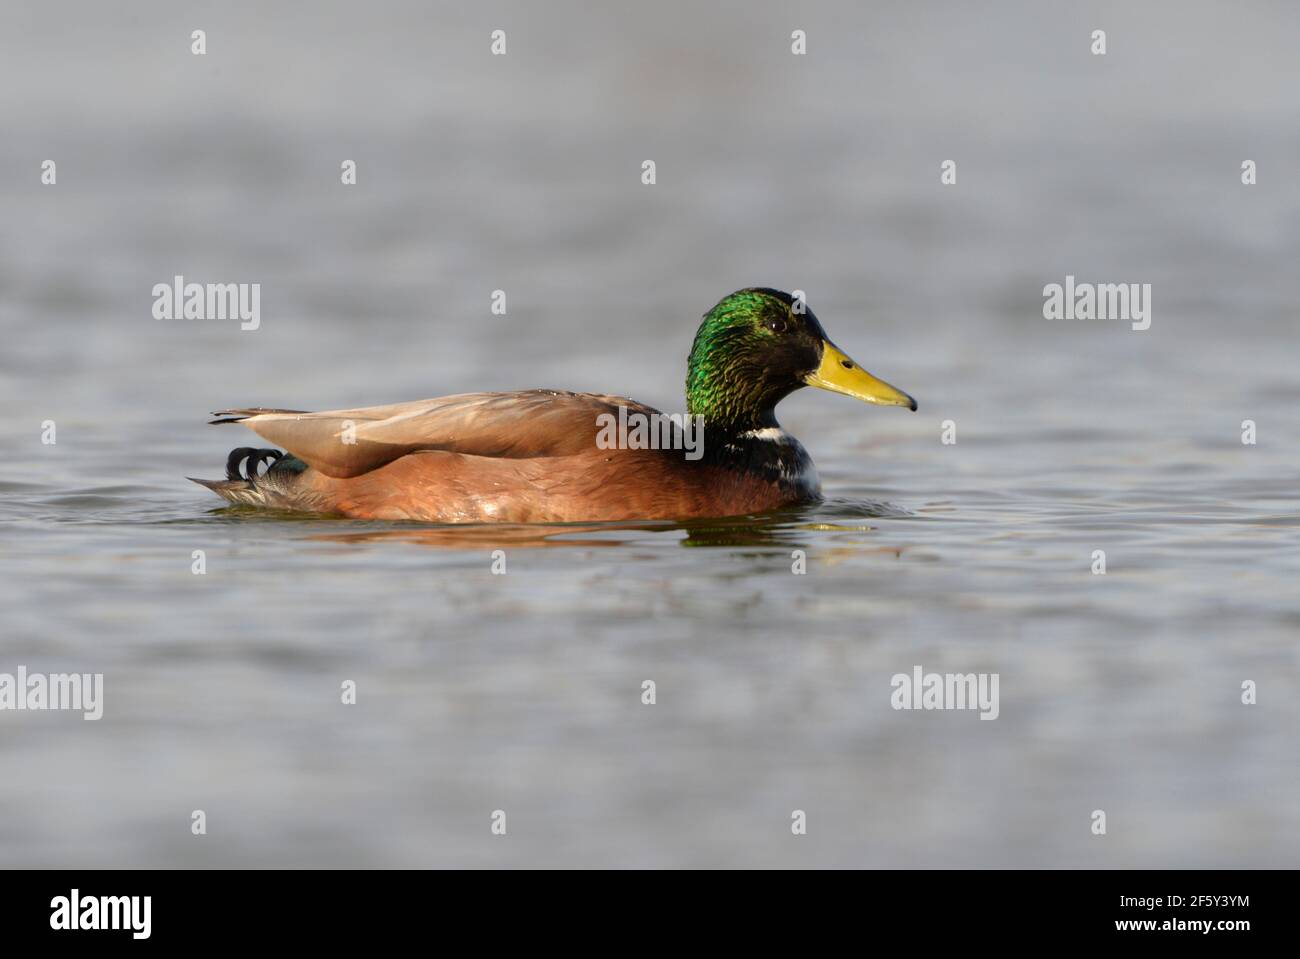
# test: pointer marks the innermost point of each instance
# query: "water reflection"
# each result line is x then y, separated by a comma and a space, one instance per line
789, 528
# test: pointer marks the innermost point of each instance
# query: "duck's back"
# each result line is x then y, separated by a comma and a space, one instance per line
518, 425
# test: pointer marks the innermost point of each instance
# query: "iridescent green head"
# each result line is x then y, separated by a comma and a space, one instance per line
759, 345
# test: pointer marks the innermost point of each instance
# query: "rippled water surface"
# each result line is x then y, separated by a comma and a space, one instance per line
522, 692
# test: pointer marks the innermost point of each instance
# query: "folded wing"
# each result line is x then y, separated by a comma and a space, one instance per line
345, 443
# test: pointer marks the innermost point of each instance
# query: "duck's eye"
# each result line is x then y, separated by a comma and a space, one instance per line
776, 325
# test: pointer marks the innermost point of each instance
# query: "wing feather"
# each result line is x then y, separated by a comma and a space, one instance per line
527, 424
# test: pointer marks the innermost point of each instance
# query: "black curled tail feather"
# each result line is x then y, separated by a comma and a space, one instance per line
250, 460
277, 487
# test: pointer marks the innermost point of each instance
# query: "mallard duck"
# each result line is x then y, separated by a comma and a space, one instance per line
546, 456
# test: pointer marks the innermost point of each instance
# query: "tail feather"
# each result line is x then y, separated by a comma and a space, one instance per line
239, 415
250, 460
236, 491
277, 488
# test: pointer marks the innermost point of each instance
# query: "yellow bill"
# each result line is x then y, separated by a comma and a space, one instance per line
839, 374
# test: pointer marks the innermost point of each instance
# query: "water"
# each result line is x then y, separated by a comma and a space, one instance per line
522, 692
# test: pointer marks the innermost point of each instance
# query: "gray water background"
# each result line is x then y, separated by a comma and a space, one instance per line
522, 692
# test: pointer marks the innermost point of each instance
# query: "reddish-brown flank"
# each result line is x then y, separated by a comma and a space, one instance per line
598, 485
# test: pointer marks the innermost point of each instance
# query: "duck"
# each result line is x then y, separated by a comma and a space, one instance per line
550, 456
